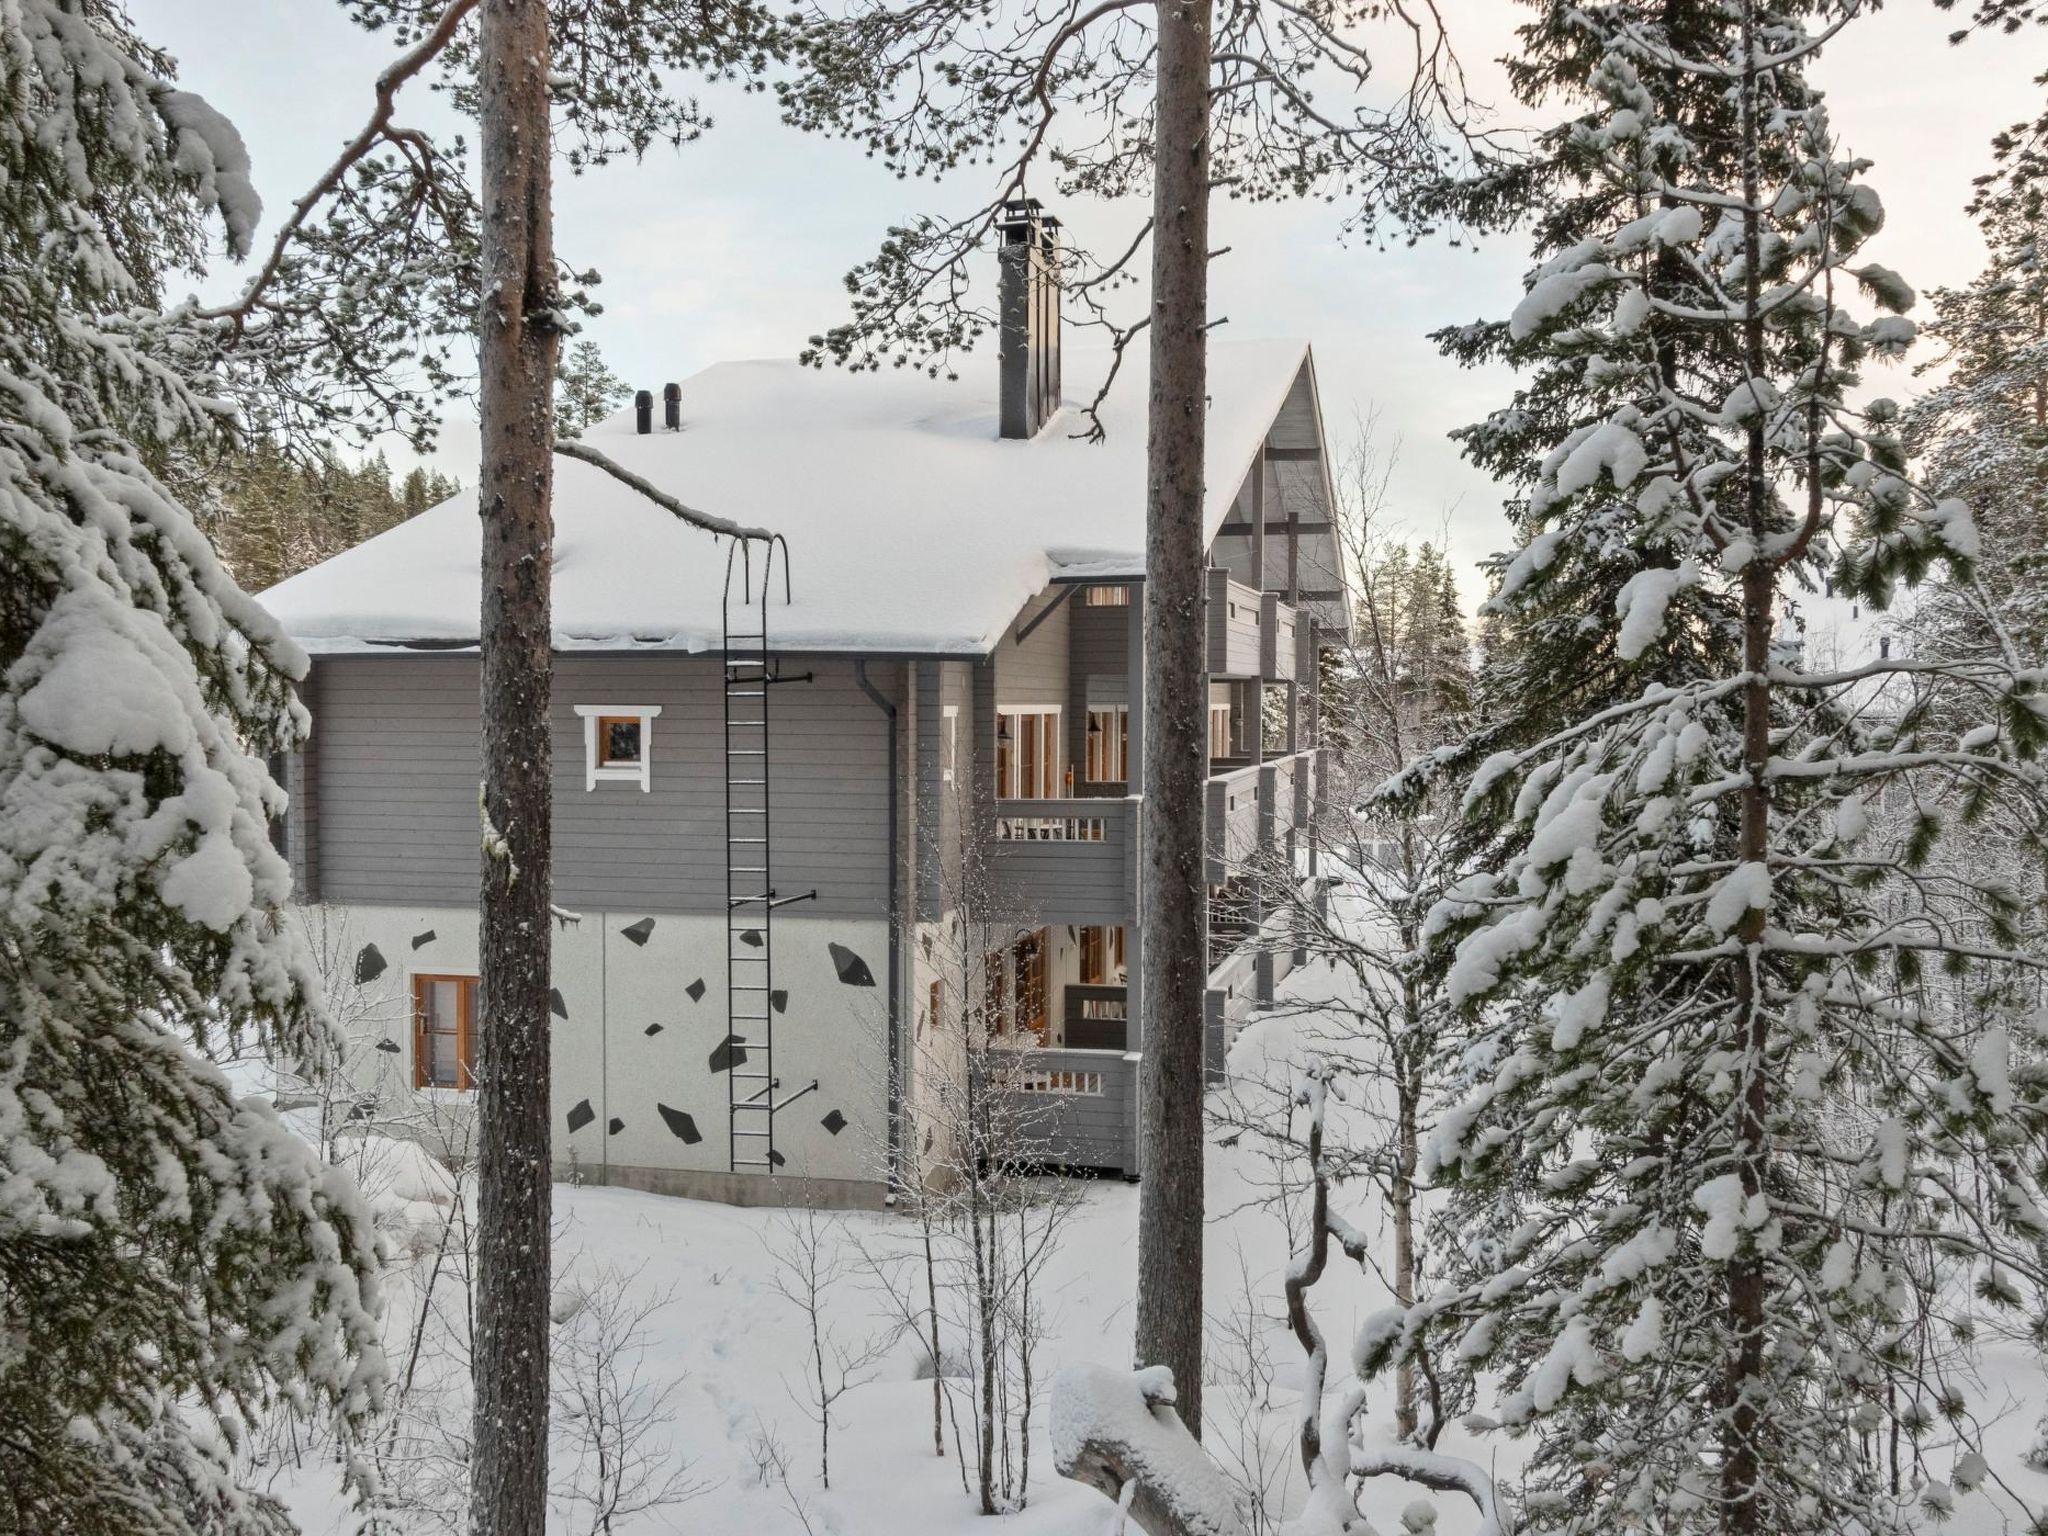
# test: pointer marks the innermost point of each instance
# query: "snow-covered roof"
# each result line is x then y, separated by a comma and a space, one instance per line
912, 526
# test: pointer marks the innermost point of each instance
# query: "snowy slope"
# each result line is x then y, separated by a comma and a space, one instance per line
737, 1350
911, 525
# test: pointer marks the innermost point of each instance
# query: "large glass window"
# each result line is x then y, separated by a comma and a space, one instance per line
1027, 754
1108, 758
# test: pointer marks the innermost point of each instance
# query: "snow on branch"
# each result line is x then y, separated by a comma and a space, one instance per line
654, 493
1112, 1428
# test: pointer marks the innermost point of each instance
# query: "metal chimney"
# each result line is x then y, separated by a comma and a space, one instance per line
1030, 316
672, 407
643, 412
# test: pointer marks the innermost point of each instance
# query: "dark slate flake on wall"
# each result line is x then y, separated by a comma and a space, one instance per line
580, 1116
696, 990
728, 1053
834, 1122
775, 1158
779, 1000
370, 964
652, 1029
751, 938
422, 940
680, 1125
556, 1006
639, 932
390, 1046
852, 969
617, 1125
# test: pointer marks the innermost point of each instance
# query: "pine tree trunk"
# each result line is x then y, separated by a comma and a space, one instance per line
518, 340
1743, 1384
1174, 894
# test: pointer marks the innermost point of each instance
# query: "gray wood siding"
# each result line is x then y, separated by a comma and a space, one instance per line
1233, 638
397, 784
1073, 1129
1035, 672
1060, 881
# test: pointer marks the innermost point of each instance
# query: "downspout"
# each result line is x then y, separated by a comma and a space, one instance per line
876, 697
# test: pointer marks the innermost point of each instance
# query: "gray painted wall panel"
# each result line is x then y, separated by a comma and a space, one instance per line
397, 779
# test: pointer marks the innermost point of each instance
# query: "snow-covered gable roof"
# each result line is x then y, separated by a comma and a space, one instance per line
912, 526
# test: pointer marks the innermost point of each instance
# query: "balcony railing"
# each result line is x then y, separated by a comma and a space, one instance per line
1233, 625
1050, 829
1064, 861
1097, 1018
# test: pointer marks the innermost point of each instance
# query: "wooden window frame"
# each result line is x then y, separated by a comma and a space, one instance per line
595, 767
465, 1030
1032, 983
1046, 733
1109, 746
1107, 595
1102, 952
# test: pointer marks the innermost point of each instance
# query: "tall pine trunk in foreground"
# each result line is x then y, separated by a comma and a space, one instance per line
1174, 896
519, 335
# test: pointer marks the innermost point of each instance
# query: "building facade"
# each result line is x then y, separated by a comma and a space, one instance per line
798, 839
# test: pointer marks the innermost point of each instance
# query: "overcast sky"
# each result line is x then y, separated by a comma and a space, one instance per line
734, 247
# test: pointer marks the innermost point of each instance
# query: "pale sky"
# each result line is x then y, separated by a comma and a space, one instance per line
734, 247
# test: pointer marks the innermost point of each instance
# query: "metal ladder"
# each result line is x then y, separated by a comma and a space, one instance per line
752, 1086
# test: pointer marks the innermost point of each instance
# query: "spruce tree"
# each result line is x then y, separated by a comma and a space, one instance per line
171, 1256
586, 391
1984, 431
1745, 1148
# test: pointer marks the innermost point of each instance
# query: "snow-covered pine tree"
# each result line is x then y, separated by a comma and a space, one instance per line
1746, 1146
171, 1255
1984, 431
1546, 662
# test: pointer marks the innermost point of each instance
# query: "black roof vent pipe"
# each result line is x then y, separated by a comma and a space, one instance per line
643, 413
672, 407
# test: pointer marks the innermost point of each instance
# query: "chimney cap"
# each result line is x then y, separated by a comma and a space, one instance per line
1021, 216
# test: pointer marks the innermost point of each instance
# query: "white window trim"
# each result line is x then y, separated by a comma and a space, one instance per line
949, 746
642, 772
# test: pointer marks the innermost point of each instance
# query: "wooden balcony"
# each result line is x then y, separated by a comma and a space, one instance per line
1064, 861
1096, 1018
1233, 624
1232, 819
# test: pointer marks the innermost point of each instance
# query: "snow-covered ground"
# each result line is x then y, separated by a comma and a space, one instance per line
734, 1349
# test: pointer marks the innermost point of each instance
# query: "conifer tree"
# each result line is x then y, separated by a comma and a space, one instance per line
1744, 1153
586, 391
171, 1255
1983, 433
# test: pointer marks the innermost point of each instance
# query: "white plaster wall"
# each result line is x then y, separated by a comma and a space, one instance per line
612, 989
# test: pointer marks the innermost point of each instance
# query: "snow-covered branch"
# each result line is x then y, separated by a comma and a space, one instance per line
709, 522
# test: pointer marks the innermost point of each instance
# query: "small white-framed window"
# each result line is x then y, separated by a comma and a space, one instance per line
949, 735
618, 743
